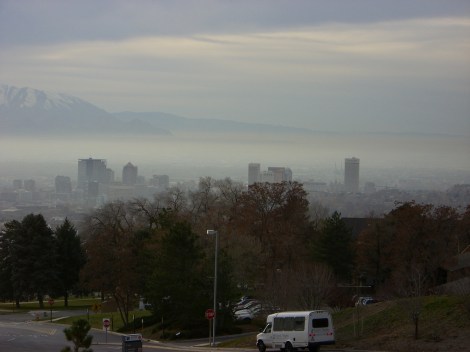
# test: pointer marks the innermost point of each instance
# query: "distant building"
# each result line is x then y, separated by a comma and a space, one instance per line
351, 175
24, 196
30, 185
17, 184
129, 174
254, 173
109, 176
91, 170
63, 185
281, 174
160, 181
272, 175
267, 176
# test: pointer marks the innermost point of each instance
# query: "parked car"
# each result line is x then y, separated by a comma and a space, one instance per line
244, 315
248, 305
363, 301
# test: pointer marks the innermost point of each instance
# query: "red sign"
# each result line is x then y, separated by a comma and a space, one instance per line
51, 301
106, 322
210, 314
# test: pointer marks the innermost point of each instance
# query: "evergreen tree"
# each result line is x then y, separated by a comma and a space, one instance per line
70, 256
334, 246
33, 257
179, 286
78, 334
6, 285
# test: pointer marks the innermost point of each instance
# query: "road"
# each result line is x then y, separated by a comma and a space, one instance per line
20, 332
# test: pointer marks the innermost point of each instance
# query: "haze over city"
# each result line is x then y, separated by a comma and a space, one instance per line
387, 82
318, 150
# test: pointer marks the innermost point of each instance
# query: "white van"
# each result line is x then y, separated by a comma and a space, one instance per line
291, 330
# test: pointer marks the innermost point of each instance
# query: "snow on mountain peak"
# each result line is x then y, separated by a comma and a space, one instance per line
29, 98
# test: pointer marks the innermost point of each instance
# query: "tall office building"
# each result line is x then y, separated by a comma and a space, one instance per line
254, 173
91, 170
129, 174
351, 175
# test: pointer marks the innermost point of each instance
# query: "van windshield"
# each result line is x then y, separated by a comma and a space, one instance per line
267, 329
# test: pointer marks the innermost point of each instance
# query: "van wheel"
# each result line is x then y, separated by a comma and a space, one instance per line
261, 346
289, 347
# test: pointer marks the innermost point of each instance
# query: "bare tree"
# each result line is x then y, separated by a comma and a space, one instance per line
414, 289
315, 283
112, 255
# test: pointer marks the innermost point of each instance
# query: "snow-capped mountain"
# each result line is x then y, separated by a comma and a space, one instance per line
26, 110
28, 98
31, 111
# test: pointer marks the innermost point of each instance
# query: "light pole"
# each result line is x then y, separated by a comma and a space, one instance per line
216, 233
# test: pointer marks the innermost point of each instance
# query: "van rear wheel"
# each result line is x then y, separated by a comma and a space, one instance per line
289, 347
261, 346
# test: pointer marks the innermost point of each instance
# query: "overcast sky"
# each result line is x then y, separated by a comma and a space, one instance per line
334, 65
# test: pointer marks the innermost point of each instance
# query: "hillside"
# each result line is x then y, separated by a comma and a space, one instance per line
386, 326
444, 325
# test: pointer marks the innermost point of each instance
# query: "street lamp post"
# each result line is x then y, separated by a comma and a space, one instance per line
216, 233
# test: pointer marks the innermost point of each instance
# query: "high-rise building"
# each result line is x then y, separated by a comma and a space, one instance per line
91, 170
351, 175
254, 173
129, 174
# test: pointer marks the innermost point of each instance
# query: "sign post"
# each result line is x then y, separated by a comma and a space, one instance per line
210, 314
106, 324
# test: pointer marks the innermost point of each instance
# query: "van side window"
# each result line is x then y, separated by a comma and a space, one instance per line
299, 323
320, 323
288, 324
278, 324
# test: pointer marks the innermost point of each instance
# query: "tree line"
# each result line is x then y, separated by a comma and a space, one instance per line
36, 260
274, 245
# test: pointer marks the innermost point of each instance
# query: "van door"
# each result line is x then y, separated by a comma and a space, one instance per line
321, 329
265, 338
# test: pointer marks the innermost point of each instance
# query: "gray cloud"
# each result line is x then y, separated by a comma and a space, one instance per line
397, 66
45, 21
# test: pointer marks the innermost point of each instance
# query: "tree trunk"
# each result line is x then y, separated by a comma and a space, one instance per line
66, 298
416, 327
41, 300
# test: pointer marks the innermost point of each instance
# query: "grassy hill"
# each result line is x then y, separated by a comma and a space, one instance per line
444, 325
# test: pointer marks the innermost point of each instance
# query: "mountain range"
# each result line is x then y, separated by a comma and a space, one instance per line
28, 111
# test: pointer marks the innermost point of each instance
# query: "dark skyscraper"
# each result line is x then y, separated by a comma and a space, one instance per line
129, 174
351, 175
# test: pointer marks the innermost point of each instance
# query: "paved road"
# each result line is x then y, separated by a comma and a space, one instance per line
20, 332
